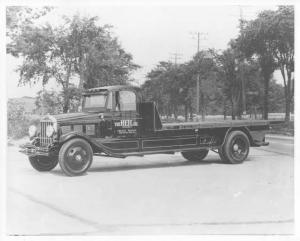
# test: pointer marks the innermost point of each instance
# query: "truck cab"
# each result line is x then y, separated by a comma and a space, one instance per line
122, 108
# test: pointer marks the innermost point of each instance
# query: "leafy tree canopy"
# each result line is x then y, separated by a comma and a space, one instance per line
78, 47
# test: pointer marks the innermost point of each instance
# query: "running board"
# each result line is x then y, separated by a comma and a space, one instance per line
163, 151
143, 153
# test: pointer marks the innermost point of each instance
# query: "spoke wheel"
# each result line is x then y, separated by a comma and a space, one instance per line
75, 157
43, 163
195, 155
236, 148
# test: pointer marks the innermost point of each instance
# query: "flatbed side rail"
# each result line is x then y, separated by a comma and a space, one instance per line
203, 125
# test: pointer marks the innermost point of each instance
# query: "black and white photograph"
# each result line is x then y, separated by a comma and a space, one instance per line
140, 118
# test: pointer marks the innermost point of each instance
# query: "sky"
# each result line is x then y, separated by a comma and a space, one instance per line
151, 34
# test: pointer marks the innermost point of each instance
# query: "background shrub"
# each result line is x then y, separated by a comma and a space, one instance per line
18, 121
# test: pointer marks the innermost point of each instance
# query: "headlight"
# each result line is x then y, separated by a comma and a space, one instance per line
49, 130
32, 131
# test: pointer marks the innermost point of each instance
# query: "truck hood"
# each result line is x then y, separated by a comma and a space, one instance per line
74, 117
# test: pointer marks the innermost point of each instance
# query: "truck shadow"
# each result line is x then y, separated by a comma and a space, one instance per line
134, 166
153, 165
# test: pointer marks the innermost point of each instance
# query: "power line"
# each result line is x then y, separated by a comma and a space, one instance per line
175, 56
242, 73
199, 36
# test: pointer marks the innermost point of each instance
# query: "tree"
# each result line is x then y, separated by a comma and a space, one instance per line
277, 98
98, 57
73, 95
204, 65
63, 52
17, 120
48, 102
228, 80
162, 86
240, 80
173, 86
52, 102
281, 34
17, 16
15, 116
270, 38
253, 42
156, 89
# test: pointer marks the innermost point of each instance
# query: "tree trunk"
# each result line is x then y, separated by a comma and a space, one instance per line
288, 97
81, 73
232, 109
240, 105
239, 116
287, 104
266, 96
224, 109
267, 69
288, 91
175, 112
191, 112
186, 112
66, 104
202, 106
287, 109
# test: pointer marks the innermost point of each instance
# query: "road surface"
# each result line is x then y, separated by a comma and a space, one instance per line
156, 194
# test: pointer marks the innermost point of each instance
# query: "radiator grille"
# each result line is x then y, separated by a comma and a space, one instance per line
44, 140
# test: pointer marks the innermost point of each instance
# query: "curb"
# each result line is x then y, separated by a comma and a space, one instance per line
271, 136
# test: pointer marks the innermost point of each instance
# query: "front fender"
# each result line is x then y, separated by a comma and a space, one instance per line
65, 137
70, 135
245, 129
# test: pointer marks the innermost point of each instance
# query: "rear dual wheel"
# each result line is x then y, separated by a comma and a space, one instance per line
195, 155
236, 148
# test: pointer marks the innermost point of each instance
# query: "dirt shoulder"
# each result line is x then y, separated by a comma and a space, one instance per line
286, 129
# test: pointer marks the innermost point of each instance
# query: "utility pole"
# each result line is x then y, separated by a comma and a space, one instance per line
198, 87
242, 74
176, 56
243, 91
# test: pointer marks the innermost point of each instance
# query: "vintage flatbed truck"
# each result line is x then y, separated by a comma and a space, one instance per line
116, 122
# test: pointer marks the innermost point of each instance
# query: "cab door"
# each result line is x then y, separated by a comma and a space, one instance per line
125, 122
125, 115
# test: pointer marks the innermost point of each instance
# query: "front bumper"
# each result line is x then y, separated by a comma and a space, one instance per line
32, 150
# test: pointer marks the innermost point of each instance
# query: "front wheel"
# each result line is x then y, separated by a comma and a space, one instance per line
195, 155
43, 163
75, 157
236, 148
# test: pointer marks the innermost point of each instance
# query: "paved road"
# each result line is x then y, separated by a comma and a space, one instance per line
158, 194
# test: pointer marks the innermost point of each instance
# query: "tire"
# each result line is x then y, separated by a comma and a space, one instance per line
43, 163
75, 157
236, 148
195, 155
223, 158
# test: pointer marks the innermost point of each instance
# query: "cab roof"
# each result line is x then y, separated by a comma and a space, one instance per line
111, 88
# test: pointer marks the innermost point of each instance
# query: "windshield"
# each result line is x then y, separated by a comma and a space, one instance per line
94, 101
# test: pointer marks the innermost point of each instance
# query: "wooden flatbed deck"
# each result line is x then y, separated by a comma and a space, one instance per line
217, 124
